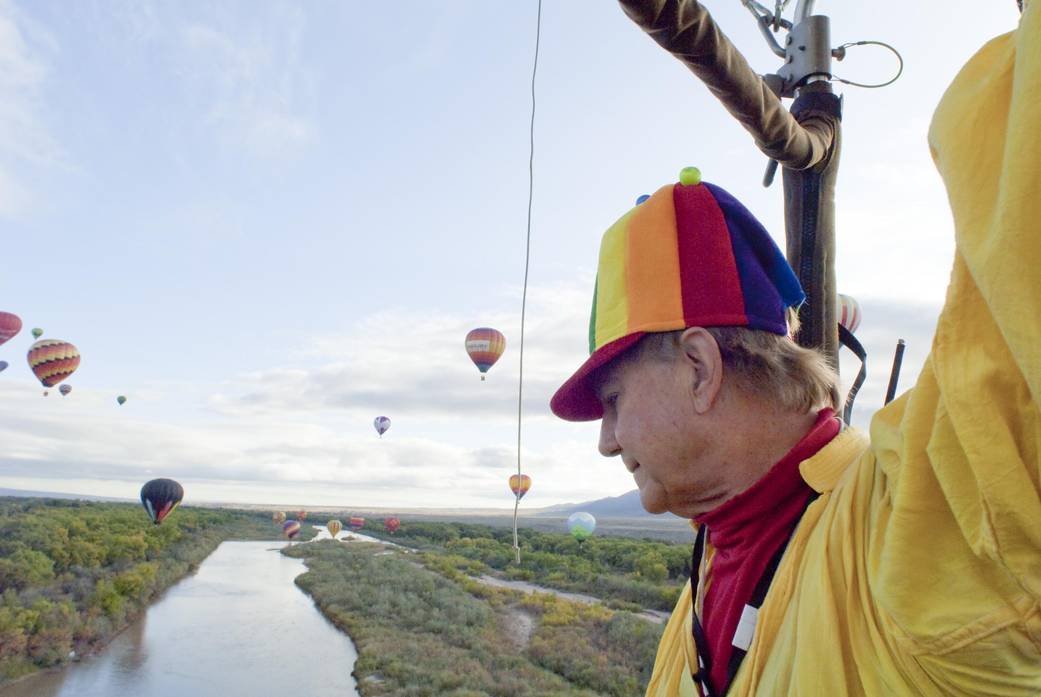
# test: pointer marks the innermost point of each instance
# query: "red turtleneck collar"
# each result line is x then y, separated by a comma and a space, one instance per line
744, 533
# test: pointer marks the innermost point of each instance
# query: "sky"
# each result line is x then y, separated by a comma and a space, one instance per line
268, 223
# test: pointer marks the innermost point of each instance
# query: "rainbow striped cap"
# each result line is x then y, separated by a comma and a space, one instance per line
689, 255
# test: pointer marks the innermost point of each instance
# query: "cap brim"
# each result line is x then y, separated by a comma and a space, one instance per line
576, 400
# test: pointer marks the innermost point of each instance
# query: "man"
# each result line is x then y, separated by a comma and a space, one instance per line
827, 563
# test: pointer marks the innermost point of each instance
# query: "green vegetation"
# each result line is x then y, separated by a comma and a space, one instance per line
424, 632
73, 574
625, 572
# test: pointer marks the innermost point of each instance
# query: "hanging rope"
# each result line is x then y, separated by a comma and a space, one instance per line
527, 262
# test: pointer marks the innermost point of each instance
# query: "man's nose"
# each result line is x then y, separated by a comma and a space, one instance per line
608, 444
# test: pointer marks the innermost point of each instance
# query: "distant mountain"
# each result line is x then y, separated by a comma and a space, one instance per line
23, 493
625, 506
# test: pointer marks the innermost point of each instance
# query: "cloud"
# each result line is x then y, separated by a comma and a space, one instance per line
402, 362
25, 141
301, 433
251, 80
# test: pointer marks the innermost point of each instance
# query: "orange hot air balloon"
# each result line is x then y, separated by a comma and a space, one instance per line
334, 527
53, 360
391, 524
485, 345
520, 485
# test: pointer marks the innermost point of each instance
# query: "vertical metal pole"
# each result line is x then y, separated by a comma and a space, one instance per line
894, 374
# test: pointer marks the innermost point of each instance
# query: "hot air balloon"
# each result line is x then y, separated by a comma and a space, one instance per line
160, 497
53, 360
121, 400
356, 523
302, 516
849, 312
37, 333
520, 485
65, 389
382, 424
278, 517
290, 529
334, 527
391, 524
3, 366
581, 525
485, 345
10, 325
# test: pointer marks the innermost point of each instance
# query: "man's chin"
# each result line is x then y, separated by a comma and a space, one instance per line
653, 500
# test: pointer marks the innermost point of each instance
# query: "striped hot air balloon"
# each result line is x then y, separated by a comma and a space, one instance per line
291, 529
485, 345
356, 523
520, 485
160, 497
65, 390
10, 325
334, 527
278, 517
849, 312
53, 360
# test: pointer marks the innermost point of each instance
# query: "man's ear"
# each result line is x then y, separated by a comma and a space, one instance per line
701, 352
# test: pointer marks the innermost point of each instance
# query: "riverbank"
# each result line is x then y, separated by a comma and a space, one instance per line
74, 574
433, 630
224, 630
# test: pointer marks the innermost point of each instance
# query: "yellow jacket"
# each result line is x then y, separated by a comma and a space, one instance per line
918, 569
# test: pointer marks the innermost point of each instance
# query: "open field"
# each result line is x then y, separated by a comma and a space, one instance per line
424, 628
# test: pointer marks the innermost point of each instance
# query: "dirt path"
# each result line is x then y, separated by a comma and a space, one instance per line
656, 616
519, 628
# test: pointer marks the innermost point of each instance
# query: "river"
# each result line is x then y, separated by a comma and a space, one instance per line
238, 626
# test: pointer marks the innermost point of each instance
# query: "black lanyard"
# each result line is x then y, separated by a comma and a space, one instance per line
701, 676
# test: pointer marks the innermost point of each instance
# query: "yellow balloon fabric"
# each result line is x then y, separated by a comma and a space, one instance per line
334, 527
918, 569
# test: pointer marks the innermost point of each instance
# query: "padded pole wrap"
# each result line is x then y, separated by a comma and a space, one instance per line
685, 29
809, 211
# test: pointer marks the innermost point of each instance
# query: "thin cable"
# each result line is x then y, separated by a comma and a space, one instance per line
527, 262
899, 72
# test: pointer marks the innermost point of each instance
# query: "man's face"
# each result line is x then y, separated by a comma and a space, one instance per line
650, 420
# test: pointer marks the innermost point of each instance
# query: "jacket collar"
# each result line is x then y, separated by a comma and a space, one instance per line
823, 470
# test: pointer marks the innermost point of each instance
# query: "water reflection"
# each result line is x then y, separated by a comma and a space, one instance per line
132, 660
238, 626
